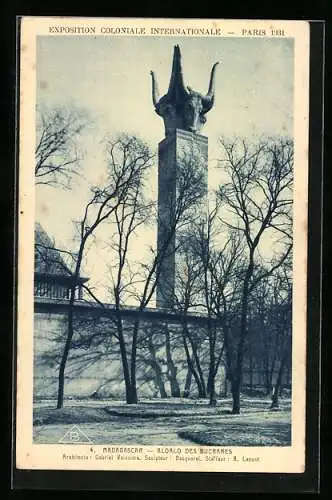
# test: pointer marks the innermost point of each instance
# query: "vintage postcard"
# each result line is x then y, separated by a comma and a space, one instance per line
162, 236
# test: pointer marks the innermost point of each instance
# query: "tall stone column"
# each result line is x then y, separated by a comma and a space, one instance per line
183, 111
170, 153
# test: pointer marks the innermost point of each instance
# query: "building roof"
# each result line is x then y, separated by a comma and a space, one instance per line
49, 260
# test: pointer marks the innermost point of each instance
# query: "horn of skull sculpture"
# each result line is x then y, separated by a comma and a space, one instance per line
182, 107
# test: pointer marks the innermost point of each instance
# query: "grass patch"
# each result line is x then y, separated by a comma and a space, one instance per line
143, 412
240, 434
69, 415
85, 414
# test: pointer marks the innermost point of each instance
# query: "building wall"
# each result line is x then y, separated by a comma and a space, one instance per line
94, 368
86, 370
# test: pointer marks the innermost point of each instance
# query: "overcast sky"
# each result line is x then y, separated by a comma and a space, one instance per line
110, 78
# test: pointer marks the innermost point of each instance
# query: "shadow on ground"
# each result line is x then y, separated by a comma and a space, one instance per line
167, 423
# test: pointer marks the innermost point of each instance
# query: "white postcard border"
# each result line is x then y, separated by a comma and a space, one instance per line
41, 457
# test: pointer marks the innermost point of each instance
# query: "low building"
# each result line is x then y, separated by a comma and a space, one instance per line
53, 277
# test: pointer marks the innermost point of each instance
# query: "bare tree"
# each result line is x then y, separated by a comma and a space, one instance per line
204, 251
282, 320
269, 327
187, 298
124, 174
257, 200
152, 346
132, 211
191, 188
139, 280
57, 153
209, 284
261, 341
225, 268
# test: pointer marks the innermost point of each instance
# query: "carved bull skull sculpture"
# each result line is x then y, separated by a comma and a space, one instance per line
182, 107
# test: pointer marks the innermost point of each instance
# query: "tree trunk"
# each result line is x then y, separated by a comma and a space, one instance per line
193, 371
161, 385
236, 380
201, 384
211, 384
251, 369
131, 395
225, 391
124, 360
235, 387
125, 369
210, 387
210, 379
213, 397
237, 376
288, 377
276, 389
268, 381
187, 385
157, 369
70, 333
171, 368
65, 354
133, 390
229, 360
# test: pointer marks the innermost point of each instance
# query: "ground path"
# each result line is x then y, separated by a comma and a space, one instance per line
165, 423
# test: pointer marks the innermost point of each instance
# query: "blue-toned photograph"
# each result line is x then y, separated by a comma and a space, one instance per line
163, 241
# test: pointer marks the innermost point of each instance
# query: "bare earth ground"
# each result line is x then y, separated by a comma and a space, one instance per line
166, 422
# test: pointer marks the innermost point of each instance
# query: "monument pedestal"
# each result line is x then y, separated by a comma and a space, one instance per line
177, 147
